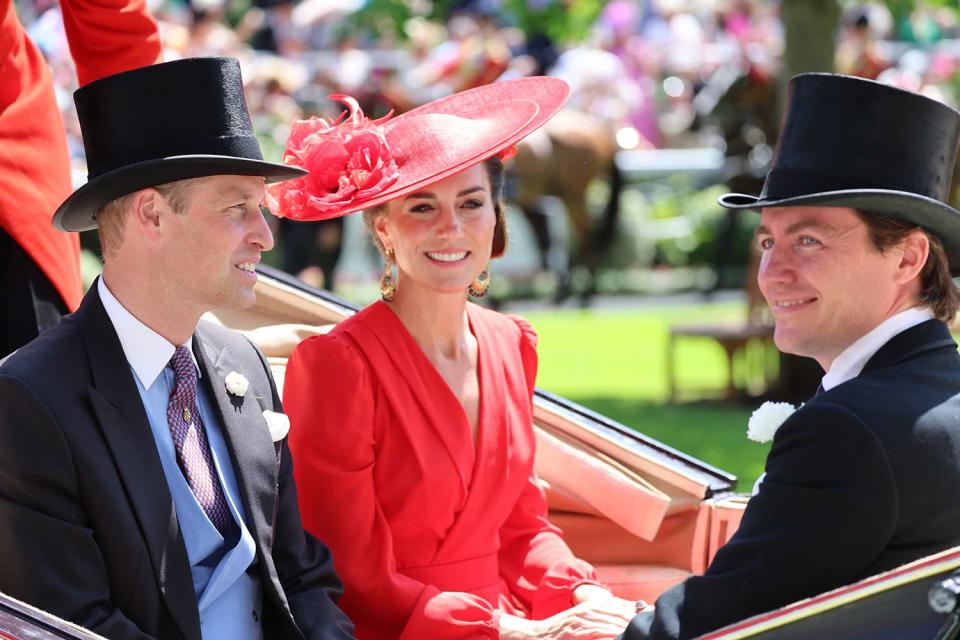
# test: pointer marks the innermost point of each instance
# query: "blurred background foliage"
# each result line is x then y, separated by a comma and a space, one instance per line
571, 20
561, 20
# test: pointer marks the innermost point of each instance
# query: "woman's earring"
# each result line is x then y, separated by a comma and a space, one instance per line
388, 285
481, 286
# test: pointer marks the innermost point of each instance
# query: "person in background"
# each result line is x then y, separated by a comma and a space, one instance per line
40, 266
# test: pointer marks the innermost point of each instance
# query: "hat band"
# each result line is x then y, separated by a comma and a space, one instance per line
245, 147
789, 183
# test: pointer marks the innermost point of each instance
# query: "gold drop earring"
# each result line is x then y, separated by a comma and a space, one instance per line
481, 285
388, 283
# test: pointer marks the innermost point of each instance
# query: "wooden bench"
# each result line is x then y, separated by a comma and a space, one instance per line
733, 337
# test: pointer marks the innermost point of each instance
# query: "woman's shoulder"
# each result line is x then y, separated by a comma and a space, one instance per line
336, 346
527, 332
354, 341
503, 323
327, 354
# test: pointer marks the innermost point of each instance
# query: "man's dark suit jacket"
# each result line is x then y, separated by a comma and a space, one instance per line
89, 531
861, 479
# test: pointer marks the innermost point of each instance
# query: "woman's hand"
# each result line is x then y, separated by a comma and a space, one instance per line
595, 619
595, 593
601, 619
591, 592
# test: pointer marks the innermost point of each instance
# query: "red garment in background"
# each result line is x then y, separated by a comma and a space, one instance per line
106, 37
430, 537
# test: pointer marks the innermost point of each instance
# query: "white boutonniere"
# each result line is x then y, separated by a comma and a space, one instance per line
236, 384
765, 421
278, 423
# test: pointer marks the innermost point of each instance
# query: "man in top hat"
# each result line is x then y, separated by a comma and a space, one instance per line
858, 246
145, 482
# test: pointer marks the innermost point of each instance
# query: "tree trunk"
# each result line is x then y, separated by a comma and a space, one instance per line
811, 29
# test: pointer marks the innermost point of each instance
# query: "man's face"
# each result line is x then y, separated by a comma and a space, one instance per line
825, 282
210, 248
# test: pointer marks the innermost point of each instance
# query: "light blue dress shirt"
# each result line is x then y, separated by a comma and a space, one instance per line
229, 596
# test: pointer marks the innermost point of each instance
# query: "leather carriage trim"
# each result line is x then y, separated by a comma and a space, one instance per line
912, 572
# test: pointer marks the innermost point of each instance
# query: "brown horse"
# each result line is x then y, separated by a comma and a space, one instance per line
562, 159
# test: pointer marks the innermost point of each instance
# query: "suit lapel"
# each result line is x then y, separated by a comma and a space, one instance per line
923, 337
246, 434
123, 422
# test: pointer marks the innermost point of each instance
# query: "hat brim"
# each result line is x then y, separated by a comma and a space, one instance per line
513, 109
933, 215
77, 211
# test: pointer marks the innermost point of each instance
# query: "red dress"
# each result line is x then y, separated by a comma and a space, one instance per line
431, 538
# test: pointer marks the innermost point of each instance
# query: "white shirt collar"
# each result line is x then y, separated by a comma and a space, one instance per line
146, 350
853, 359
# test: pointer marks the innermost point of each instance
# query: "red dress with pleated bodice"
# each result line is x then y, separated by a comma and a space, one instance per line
432, 535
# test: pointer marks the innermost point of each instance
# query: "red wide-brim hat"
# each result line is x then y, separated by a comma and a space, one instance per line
356, 163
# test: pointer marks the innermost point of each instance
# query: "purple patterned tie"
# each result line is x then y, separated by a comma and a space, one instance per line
190, 441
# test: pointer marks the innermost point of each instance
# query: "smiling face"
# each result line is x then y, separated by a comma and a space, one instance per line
211, 247
441, 235
826, 283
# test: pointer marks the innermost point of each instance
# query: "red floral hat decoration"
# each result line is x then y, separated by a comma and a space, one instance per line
355, 163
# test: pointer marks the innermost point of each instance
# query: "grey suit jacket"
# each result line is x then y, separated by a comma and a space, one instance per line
89, 531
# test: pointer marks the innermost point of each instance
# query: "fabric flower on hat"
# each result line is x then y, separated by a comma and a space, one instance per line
348, 159
507, 153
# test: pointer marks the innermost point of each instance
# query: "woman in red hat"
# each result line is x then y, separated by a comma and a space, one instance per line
413, 438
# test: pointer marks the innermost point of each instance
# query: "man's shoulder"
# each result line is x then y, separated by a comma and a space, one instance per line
894, 399
933, 373
59, 353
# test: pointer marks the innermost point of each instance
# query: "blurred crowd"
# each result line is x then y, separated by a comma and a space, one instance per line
657, 73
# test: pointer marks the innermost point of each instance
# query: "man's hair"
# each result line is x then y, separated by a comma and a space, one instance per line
937, 289
112, 217
495, 174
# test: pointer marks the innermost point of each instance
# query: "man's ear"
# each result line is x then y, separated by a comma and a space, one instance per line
914, 250
148, 206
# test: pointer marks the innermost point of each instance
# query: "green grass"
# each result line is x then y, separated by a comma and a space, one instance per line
614, 362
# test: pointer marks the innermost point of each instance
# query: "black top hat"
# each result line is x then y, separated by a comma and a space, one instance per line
162, 123
850, 142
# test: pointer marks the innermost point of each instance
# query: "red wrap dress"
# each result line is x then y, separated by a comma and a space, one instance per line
432, 536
